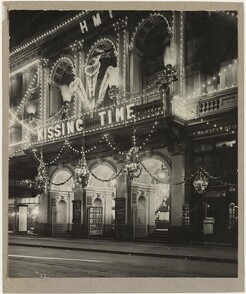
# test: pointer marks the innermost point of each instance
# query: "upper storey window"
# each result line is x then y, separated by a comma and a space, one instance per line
100, 76
148, 48
61, 78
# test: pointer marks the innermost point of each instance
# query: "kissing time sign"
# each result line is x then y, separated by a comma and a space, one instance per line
73, 127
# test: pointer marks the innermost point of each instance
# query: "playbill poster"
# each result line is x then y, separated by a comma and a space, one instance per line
122, 147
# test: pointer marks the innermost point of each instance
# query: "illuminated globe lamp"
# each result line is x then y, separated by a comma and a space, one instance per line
200, 183
133, 167
113, 93
82, 172
31, 112
166, 79
66, 97
40, 181
163, 174
113, 83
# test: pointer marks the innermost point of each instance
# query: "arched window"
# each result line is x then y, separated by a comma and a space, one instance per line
101, 72
147, 52
61, 77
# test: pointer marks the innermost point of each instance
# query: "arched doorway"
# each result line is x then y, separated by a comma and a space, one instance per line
100, 200
151, 197
61, 197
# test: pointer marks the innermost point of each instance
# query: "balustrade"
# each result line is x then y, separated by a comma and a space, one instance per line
209, 105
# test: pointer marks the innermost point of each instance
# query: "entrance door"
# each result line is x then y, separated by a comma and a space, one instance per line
22, 218
139, 219
61, 197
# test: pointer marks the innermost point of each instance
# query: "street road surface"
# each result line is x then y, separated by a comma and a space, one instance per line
28, 262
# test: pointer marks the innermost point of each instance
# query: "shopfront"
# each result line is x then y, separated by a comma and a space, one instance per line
23, 215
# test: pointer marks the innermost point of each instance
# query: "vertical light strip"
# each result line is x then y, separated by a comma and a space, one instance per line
80, 76
124, 24
40, 78
172, 36
181, 56
45, 81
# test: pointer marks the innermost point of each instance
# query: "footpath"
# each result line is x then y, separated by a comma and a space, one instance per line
206, 252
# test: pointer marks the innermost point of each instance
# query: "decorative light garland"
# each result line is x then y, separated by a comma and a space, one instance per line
21, 122
60, 60
132, 166
55, 159
107, 180
149, 135
47, 33
105, 137
95, 44
61, 183
40, 181
133, 38
154, 177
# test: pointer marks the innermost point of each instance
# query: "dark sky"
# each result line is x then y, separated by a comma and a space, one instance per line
25, 23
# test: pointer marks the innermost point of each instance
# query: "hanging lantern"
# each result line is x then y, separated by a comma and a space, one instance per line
40, 181
200, 183
31, 112
133, 167
82, 172
113, 93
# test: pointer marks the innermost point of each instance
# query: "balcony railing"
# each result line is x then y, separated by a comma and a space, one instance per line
224, 100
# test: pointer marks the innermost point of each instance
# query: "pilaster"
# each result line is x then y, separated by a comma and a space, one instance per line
123, 58
79, 60
178, 188
135, 70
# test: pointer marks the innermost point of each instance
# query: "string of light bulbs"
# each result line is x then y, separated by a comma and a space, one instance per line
21, 122
107, 180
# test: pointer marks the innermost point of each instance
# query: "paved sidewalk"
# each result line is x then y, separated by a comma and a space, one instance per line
206, 253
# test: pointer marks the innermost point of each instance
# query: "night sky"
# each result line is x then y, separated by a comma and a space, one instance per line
24, 24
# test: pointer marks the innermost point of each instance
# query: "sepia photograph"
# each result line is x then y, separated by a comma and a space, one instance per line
123, 143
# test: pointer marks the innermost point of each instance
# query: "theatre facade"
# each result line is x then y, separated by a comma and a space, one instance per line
123, 125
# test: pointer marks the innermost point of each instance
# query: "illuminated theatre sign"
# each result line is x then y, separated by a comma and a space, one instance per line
72, 127
96, 20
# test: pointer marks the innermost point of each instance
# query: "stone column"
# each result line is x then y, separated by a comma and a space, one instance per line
78, 212
123, 208
123, 58
177, 190
135, 70
44, 227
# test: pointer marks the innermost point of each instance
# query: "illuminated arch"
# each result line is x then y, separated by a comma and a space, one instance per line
60, 66
99, 42
146, 25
